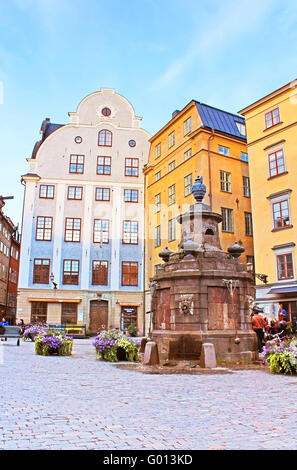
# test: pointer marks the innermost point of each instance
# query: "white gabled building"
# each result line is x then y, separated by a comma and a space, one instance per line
83, 218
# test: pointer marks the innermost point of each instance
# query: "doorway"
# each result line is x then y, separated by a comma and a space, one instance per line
98, 316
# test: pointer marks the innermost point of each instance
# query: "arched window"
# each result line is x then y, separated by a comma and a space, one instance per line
105, 138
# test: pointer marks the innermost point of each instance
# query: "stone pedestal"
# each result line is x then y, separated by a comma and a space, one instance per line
208, 356
151, 356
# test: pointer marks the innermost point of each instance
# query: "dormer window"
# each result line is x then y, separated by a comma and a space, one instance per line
241, 127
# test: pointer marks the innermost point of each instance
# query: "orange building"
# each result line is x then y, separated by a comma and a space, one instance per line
199, 140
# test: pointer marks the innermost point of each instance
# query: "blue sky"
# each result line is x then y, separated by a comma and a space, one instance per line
159, 54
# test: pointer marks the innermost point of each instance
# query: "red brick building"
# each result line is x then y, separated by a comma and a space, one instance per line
9, 266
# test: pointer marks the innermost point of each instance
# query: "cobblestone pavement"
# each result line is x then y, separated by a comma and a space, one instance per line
79, 402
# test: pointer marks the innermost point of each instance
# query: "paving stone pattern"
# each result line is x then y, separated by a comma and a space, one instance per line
79, 402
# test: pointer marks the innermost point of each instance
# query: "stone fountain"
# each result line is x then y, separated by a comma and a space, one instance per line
201, 293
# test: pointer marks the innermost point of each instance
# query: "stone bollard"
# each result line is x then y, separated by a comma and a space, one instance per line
151, 354
208, 356
142, 345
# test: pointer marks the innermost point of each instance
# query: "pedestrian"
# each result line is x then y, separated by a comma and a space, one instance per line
258, 325
282, 318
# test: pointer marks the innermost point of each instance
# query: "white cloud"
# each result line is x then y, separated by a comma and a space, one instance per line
231, 22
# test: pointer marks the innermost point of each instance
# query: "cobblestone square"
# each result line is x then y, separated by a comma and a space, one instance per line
79, 402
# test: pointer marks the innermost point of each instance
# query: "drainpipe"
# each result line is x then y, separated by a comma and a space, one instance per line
210, 138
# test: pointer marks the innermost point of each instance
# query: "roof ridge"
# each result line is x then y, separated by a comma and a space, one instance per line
218, 109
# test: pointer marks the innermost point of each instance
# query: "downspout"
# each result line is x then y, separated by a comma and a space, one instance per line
210, 138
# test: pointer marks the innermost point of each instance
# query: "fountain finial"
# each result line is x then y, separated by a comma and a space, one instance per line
199, 189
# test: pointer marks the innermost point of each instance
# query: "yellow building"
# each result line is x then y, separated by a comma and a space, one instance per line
198, 141
271, 130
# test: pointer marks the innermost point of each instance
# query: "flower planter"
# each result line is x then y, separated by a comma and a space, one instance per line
113, 346
53, 345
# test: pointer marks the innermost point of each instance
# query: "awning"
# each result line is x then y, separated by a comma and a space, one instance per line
283, 290
73, 301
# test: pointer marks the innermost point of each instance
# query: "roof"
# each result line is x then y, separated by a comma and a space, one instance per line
47, 128
219, 120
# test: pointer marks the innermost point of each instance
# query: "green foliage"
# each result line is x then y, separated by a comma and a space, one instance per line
282, 358
109, 344
132, 329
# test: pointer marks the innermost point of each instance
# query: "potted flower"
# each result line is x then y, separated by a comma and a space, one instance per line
282, 357
132, 330
112, 346
32, 331
53, 344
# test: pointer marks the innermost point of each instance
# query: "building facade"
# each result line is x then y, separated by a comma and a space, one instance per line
83, 221
9, 266
205, 141
271, 130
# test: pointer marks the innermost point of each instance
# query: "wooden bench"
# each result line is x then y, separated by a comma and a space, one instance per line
12, 332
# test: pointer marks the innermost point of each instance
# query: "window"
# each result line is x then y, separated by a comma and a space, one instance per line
105, 138
158, 236
285, 266
171, 139
246, 186
72, 230
128, 317
103, 165
276, 161
171, 166
76, 164
224, 150
187, 154
281, 217
248, 223
171, 230
132, 143
129, 273
46, 191
156, 268
241, 127
41, 271
100, 273
102, 194
130, 232
158, 176
251, 260
131, 195
227, 223
272, 118
171, 194
70, 271
187, 126
225, 181
188, 184
106, 112
44, 227
158, 150
69, 313
75, 192
78, 139
157, 202
38, 312
131, 166
244, 157
101, 231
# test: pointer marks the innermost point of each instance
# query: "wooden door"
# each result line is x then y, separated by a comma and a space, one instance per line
98, 315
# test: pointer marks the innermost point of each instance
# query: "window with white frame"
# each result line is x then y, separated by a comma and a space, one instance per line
248, 223
171, 139
225, 181
224, 150
187, 154
228, 221
246, 186
171, 230
158, 150
187, 126
188, 185
157, 202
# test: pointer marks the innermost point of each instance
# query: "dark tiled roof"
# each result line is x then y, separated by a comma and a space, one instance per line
47, 128
220, 120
